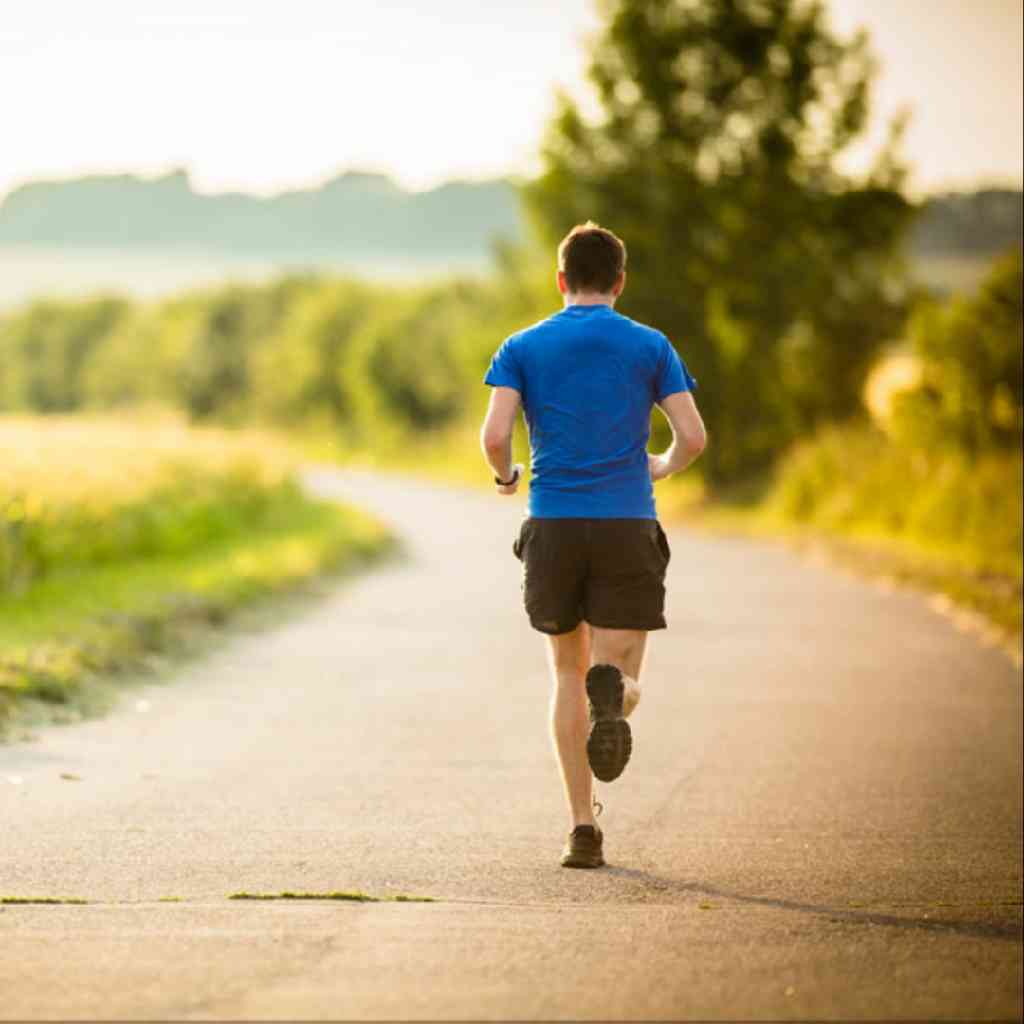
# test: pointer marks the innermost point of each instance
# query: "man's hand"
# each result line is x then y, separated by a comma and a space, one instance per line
658, 466
517, 474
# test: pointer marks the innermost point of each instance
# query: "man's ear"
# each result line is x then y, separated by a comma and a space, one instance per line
619, 285
563, 287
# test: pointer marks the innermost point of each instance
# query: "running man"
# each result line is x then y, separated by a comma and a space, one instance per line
593, 552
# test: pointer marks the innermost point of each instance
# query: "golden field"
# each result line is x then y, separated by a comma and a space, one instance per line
122, 540
88, 490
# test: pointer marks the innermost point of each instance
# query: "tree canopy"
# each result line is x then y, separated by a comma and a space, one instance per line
714, 155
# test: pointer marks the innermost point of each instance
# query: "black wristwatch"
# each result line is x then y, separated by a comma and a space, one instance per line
507, 483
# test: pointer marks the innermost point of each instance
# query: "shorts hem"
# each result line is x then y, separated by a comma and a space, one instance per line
560, 630
620, 624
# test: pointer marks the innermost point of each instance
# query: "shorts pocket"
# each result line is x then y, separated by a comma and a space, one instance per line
519, 543
666, 551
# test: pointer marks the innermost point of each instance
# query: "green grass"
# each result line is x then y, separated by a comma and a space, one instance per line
86, 491
182, 512
941, 503
75, 624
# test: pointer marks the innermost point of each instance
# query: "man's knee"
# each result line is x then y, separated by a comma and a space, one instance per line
569, 652
622, 653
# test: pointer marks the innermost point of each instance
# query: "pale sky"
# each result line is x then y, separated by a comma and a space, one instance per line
261, 95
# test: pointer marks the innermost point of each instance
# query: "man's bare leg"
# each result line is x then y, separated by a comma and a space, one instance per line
570, 720
623, 648
612, 693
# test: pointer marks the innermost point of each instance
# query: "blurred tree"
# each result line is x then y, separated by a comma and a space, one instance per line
714, 156
405, 370
44, 351
132, 364
294, 374
212, 340
972, 368
213, 376
193, 350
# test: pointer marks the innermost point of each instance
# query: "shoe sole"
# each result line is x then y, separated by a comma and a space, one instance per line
571, 863
611, 742
609, 748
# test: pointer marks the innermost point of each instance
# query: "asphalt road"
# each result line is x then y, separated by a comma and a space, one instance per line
822, 817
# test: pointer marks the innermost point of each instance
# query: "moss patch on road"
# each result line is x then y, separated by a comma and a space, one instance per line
342, 895
22, 901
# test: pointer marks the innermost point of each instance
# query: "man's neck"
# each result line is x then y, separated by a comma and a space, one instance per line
589, 299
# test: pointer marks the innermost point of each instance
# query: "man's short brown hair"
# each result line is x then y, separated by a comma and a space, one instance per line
592, 258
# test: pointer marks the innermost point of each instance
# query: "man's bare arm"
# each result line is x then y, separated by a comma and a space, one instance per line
496, 434
688, 436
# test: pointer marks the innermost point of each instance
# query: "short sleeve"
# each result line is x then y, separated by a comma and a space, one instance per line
505, 371
673, 376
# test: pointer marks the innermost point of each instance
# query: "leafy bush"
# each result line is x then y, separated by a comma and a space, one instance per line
45, 349
857, 480
971, 354
357, 359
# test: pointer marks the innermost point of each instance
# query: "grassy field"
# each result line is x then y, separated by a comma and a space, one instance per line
120, 541
938, 517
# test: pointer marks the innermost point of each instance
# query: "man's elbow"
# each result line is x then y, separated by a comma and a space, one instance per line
695, 443
495, 441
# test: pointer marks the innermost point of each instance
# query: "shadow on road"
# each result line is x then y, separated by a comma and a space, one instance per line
974, 929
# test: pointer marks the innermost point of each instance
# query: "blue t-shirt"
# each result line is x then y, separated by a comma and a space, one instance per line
588, 378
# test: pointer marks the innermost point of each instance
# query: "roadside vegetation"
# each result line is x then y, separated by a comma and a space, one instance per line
931, 490
120, 541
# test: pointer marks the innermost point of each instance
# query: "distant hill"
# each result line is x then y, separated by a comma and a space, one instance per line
957, 235
358, 216
355, 215
969, 223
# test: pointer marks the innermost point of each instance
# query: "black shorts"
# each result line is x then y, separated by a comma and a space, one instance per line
608, 572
